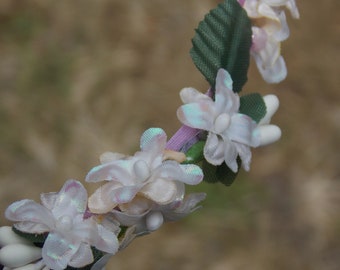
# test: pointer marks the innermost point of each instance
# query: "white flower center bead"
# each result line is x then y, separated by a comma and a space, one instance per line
154, 220
142, 170
65, 223
222, 122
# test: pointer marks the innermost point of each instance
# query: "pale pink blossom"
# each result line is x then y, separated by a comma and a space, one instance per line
269, 29
230, 133
135, 183
69, 235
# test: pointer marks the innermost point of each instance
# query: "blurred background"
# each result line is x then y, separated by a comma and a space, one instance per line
81, 77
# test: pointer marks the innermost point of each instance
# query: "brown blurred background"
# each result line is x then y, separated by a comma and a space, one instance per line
78, 78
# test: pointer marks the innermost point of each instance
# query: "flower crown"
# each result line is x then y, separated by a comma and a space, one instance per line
140, 192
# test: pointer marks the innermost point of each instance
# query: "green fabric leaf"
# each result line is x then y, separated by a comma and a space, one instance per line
221, 173
195, 153
223, 40
37, 239
253, 105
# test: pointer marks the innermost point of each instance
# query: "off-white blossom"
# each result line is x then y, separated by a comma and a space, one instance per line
230, 133
269, 29
135, 183
69, 234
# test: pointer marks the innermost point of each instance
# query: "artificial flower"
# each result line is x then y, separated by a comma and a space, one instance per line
61, 216
269, 29
135, 183
230, 134
152, 219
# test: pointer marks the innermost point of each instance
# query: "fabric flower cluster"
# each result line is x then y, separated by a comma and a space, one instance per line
270, 28
142, 192
230, 133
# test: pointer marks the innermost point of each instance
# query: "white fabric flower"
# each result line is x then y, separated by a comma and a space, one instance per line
230, 134
70, 235
269, 30
152, 219
144, 175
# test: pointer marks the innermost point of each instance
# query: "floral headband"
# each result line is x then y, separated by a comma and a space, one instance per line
71, 230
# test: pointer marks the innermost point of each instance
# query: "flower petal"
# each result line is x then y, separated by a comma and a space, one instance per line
106, 241
241, 129
82, 257
191, 95
153, 141
245, 155
33, 217
171, 170
58, 251
160, 191
119, 170
71, 200
214, 149
197, 115
230, 155
101, 200
274, 73
226, 101
187, 206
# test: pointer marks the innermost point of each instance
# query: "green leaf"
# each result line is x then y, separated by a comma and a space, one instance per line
253, 105
223, 40
37, 239
221, 173
195, 153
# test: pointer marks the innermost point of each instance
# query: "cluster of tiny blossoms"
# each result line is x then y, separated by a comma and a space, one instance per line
141, 192
269, 28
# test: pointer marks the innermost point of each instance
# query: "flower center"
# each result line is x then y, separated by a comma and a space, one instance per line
222, 122
65, 223
142, 170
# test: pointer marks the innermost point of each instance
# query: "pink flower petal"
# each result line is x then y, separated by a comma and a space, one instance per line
82, 257
160, 191
71, 200
197, 115
214, 149
153, 141
119, 170
58, 251
33, 217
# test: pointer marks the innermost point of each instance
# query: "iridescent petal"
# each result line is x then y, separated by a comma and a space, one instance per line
82, 257
71, 199
230, 155
119, 170
225, 99
137, 206
197, 115
153, 141
33, 217
58, 251
124, 194
101, 200
191, 95
214, 149
160, 191
245, 155
275, 73
106, 241
187, 206
241, 129
171, 170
